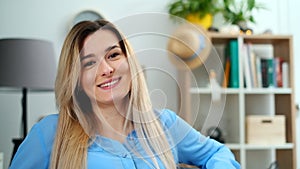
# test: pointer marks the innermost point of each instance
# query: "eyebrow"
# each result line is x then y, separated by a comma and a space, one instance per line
106, 50
87, 56
111, 48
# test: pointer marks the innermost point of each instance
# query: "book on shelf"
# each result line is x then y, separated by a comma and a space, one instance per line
250, 66
230, 65
233, 54
274, 72
261, 68
226, 72
246, 66
258, 72
267, 72
264, 54
252, 62
285, 75
278, 69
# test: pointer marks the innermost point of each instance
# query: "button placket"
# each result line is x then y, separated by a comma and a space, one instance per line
127, 161
124, 155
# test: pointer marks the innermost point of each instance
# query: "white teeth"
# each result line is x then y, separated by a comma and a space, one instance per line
109, 83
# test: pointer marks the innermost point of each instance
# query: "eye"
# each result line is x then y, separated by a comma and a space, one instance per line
88, 60
89, 63
113, 55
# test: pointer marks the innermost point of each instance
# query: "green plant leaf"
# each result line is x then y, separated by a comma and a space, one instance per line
182, 8
251, 4
252, 19
234, 12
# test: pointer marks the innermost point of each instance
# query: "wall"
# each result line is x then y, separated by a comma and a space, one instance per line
51, 20
294, 28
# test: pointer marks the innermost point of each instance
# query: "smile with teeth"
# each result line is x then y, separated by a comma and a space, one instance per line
109, 84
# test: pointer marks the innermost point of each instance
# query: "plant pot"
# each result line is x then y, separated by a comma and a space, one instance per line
242, 24
205, 21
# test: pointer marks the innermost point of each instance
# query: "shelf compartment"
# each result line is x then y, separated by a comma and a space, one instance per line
285, 158
257, 159
215, 115
262, 158
266, 102
284, 106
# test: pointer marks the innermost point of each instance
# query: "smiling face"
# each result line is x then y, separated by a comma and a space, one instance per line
105, 74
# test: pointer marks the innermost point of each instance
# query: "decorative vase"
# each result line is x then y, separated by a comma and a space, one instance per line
205, 21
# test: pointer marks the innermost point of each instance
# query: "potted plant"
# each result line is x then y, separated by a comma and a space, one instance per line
240, 13
199, 11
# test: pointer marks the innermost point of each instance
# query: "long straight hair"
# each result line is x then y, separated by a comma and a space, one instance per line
72, 141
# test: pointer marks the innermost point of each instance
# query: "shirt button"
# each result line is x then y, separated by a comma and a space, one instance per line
124, 155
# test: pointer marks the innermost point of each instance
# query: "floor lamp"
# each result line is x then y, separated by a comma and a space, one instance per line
27, 64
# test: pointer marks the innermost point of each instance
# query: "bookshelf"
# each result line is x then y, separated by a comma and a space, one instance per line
240, 102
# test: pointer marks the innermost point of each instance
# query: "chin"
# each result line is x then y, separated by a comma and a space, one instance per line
112, 100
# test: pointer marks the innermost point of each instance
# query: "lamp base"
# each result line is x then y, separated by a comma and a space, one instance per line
17, 142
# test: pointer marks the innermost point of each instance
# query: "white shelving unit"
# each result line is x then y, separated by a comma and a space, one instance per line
240, 102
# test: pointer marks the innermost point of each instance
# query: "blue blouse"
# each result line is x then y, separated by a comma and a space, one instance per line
190, 147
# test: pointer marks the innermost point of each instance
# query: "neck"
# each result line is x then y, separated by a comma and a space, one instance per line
113, 121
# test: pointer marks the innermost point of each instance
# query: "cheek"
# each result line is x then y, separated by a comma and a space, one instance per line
123, 68
87, 81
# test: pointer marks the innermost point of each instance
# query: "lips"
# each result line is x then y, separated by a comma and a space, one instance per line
110, 83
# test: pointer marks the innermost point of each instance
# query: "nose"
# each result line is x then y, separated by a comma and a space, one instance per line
105, 69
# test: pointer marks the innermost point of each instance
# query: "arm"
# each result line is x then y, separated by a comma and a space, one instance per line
35, 150
195, 149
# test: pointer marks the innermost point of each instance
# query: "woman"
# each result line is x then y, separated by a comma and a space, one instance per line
105, 116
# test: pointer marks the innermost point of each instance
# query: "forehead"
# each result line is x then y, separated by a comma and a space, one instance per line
99, 41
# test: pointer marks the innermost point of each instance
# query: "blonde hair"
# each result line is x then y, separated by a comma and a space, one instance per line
71, 141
